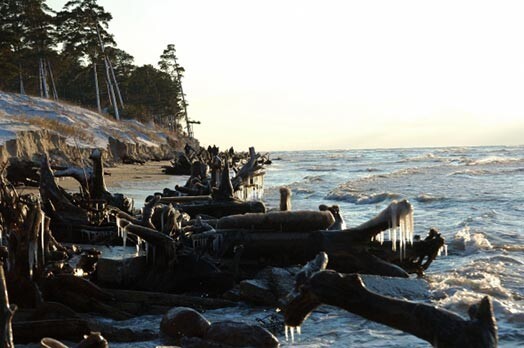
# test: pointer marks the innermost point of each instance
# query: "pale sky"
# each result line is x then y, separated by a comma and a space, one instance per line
291, 75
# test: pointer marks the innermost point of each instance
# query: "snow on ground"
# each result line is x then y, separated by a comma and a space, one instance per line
82, 127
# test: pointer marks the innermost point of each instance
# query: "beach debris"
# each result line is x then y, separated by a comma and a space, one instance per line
439, 327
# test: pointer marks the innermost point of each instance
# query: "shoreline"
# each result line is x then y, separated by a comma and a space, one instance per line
151, 171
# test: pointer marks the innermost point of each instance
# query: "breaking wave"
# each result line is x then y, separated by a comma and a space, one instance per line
428, 198
362, 198
465, 241
427, 157
491, 160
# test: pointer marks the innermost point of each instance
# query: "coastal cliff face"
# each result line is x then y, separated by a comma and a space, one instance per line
31, 126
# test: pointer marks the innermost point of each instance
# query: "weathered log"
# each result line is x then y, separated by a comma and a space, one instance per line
219, 209
7, 312
57, 203
64, 329
437, 326
285, 221
339, 224
147, 298
22, 172
185, 199
285, 199
225, 190
247, 169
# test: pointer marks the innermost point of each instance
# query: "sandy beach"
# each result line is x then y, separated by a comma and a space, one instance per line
115, 176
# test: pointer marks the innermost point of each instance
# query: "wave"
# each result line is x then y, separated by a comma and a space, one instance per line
362, 198
427, 157
491, 160
469, 243
428, 198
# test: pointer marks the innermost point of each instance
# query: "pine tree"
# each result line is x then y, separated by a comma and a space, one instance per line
169, 64
83, 32
12, 44
40, 39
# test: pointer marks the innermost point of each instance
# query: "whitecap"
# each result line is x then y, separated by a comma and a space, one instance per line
465, 241
428, 197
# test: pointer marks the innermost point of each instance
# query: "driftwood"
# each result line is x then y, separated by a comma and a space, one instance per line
219, 209
352, 249
64, 329
285, 221
57, 203
285, 199
6, 314
22, 172
147, 299
93, 184
439, 327
247, 169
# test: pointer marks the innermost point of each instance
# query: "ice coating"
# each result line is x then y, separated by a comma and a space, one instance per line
124, 236
402, 227
118, 232
42, 230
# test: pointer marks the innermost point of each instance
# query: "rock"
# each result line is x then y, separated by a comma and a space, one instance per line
405, 288
240, 335
257, 291
282, 281
183, 321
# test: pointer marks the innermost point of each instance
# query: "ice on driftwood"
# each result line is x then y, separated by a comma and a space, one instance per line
402, 227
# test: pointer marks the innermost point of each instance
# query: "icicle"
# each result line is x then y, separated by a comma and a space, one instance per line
42, 231
138, 244
299, 330
124, 237
286, 328
292, 330
118, 226
445, 250
31, 258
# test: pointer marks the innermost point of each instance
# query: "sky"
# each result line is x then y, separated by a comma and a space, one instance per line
302, 75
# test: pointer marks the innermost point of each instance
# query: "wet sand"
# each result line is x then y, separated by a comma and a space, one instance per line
128, 173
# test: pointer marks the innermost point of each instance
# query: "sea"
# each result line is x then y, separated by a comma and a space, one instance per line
473, 195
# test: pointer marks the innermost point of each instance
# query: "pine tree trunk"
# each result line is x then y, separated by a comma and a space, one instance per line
44, 79
40, 79
22, 90
111, 91
55, 94
116, 82
97, 89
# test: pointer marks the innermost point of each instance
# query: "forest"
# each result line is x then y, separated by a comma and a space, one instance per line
70, 55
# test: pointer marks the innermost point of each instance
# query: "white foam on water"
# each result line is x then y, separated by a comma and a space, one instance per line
464, 240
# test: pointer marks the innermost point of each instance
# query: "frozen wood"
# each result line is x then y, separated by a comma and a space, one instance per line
285, 221
439, 327
164, 299
7, 313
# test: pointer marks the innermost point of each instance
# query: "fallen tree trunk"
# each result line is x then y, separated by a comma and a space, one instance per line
63, 329
7, 312
284, 221
57, 203
219, 209
437, 326
147, 298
